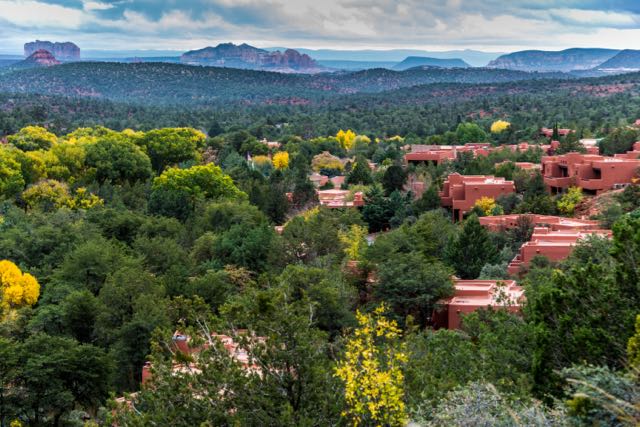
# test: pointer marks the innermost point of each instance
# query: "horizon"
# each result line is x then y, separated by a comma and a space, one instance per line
438, 25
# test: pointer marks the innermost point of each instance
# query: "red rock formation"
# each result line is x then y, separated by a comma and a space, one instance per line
41, 58
245, 56
63, 51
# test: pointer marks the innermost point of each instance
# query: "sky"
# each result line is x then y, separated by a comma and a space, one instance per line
489, 25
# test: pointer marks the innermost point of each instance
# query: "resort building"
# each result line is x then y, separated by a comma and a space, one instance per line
471, 295
339, 198
460, 192
437, 154
498, 223
593, 173
553, 245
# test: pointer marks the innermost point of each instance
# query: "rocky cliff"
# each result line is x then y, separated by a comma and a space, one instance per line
39, 58
66, 51
564, 60
249, 57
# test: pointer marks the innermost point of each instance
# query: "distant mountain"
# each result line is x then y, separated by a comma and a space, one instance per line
423, 61
66, 51
474, 57
39, 58
248, 57
544, 61
624, 62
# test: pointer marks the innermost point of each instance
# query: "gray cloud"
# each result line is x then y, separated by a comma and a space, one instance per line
339, 23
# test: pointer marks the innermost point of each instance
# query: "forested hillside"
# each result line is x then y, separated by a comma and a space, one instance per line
159, 83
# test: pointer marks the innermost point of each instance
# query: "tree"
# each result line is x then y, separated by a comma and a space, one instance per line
9, 372
500, 126
487, 206
33, 138
372, 372
470, 132
360, 173
176, 191
394, 179
57, 374
429, 200
355, 241
118, 160
47, 195
471, 250
346, 139
570, 200
171, 146
281, 160
411, 284
11, 180
17, 289
326, 161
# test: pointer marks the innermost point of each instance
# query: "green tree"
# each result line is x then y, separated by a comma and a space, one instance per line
33, 138
171, 146
471, 250
470, 132
411, 284
394, 179
117, 160
360, 172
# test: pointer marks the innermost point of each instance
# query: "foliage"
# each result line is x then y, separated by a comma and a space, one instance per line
487, 206
281, 160
33, 138
499, 126
633, 347
570, 200
355, 242
372, 372
346, 139
17, 289
171, 146
360, 172
326, 160
117, 160
471, 250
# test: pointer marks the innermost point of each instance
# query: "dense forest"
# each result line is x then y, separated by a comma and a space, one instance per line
131, 228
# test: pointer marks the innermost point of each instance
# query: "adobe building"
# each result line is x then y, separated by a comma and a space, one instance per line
546, 132
438, 154
471, 295
592, 173
553, 245
460, 192
498, 223
338, 199
633, 154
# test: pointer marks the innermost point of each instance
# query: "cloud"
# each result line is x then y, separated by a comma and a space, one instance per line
484, 24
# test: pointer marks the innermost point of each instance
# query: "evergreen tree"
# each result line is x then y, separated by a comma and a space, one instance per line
430, 200
360, 173
471, 250
393, 179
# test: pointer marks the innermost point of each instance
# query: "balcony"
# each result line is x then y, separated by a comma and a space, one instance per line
560, 182
591, 184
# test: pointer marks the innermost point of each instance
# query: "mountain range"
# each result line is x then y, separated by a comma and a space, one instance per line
421, 61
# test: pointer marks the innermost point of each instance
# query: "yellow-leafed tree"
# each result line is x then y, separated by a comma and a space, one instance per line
355, 241
500, 126
372, 372
487, 205
281, 160
346, 139
17, 289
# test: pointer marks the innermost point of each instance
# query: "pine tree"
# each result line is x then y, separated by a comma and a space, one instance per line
471, 250
360, 174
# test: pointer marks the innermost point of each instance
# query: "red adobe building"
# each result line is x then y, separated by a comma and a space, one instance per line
440, 153
549, 132
498, 223
460, 192
338, 199
553, 245
471, 295
593, 173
